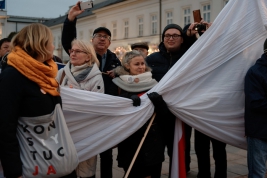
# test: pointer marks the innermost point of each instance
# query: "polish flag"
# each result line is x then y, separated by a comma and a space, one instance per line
178, 157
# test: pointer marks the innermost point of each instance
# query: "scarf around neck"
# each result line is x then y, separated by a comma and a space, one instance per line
135, 83
80, 72
38, 72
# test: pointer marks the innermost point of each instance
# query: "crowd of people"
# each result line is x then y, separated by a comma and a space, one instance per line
30, 80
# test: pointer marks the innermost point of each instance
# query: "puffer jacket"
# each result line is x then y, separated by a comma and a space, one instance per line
256, 100
93, 82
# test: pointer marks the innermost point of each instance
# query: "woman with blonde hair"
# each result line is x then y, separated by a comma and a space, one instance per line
30, 110
82, 72
134, 79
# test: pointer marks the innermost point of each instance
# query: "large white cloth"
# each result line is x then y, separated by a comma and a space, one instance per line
204, 88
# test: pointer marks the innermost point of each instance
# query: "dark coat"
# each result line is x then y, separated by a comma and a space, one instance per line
20, 97
69, 34
152, 151
162, 61
256, 100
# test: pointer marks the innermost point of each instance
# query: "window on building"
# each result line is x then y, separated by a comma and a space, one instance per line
154, 24
169, 17
114, 30
140, 26
59, 41
80, 35
206, 12
126, 29
90, 34
187, 15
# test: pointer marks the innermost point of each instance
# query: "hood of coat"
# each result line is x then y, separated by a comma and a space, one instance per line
262, 60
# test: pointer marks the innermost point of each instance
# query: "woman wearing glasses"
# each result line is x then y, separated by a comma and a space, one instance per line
82, 72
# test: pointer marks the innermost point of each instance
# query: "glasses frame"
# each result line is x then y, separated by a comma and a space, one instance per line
76, 51
99, 36
174, 36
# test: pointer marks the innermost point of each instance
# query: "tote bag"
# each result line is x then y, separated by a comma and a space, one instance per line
47, 149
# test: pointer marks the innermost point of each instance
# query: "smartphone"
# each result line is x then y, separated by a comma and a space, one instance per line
86, 5
197, 15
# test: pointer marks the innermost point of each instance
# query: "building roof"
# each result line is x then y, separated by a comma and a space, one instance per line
88, 12
24, 19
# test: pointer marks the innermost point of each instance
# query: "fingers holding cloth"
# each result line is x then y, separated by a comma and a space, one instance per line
158, 102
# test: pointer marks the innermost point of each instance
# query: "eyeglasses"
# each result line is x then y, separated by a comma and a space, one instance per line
99, 36
76, 51
174, 36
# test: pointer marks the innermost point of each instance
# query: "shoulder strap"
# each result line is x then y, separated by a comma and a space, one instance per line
119, 91
62, 77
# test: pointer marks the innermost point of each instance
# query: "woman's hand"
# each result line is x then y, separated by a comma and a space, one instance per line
75, 11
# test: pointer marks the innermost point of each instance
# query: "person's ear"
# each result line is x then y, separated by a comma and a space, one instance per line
127, 66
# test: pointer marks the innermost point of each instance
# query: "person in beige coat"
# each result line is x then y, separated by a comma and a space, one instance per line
82, 72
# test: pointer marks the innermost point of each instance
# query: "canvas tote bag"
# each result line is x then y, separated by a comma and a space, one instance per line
47, 149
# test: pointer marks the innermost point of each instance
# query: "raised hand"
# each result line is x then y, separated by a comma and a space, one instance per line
75, 11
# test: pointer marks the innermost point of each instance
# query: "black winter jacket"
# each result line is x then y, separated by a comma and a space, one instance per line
152, 151
256, 100
20, 97
69, 34
162, 61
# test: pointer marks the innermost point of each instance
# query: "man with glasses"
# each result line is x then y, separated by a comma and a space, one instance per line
108, 61
171, 50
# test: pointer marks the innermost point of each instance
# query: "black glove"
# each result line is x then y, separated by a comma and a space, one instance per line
156, 99
136, 100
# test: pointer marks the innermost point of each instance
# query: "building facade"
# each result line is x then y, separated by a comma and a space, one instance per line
9, 23
133, 21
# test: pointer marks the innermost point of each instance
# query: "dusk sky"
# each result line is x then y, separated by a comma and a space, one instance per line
38, 8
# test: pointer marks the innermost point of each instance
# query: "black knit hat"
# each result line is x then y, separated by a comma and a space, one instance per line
265, 47
175, 26
102, 29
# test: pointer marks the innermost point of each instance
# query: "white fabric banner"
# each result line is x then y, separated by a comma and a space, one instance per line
204, 88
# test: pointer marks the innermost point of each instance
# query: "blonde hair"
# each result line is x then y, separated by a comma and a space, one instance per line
87, 47
126, 60
33, 39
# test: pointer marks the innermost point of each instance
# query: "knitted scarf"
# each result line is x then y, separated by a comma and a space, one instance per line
38, 72
80, 72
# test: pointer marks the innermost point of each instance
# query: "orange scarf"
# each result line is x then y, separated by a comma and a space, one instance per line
38, 72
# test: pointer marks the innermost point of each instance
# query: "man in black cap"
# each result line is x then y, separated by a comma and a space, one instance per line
108, 61
142, 47
174, 44
255, 116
